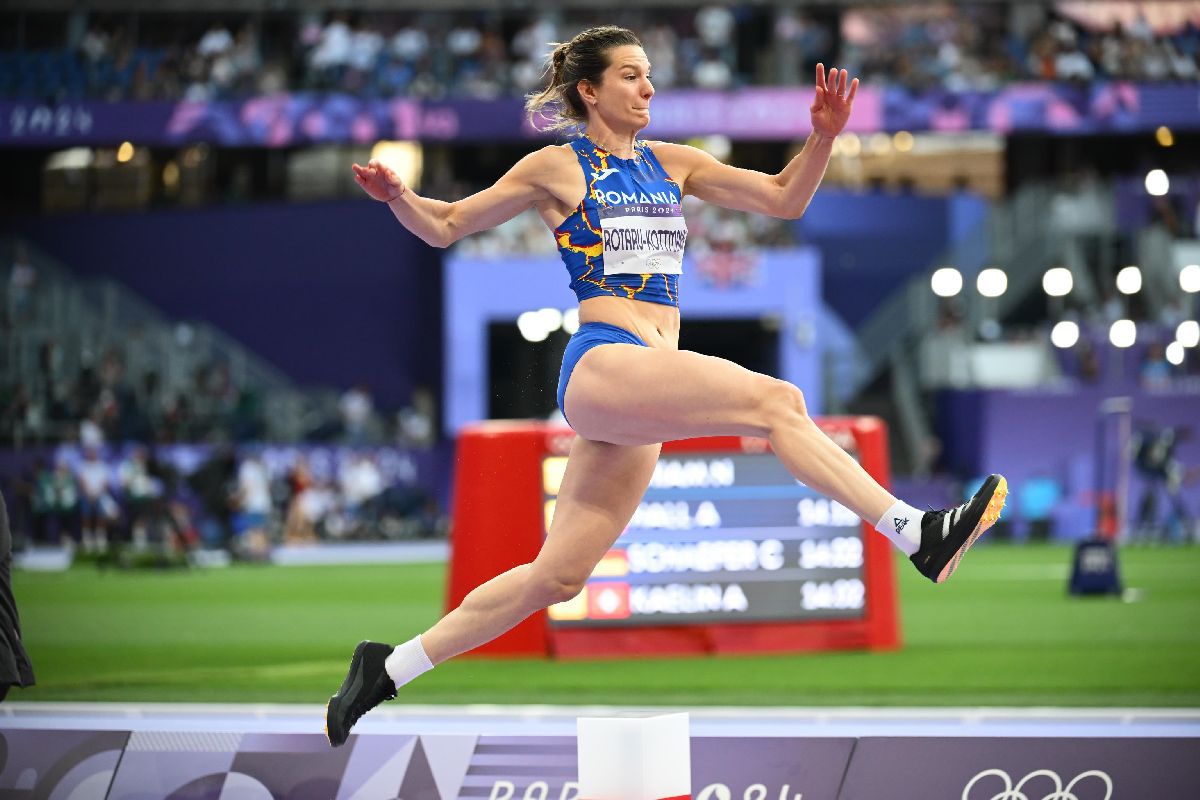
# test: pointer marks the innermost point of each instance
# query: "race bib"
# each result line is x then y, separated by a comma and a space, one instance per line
643, 238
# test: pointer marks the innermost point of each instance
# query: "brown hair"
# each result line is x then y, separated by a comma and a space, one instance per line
584, 58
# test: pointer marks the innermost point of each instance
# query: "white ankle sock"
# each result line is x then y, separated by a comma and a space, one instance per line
407, 661
902, 524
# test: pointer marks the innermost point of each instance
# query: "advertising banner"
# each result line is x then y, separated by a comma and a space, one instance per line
984, 768
757, 113
168, 764
120, 765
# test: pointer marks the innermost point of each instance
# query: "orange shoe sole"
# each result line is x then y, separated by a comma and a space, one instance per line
990, 515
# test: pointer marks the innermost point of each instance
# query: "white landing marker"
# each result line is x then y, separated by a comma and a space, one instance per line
635, 758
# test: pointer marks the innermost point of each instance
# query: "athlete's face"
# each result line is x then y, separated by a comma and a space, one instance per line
623, 96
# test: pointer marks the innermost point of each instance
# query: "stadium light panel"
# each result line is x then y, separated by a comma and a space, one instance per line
946, 282
532, 327
1057, 282
992, 282
1188, 333
1123, 333
1189, 278
570, 321
1129, 280
1064, 334
1157, 182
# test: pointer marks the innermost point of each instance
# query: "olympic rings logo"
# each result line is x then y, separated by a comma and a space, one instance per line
1017, 792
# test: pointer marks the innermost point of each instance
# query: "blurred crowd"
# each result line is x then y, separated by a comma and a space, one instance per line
141, 499
97, 403
488, 54
983, 46
94, 395
109, 451
107, 482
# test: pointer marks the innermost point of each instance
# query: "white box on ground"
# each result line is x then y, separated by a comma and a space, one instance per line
634, 758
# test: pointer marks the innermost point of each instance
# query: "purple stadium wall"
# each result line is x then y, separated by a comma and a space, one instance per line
332, 293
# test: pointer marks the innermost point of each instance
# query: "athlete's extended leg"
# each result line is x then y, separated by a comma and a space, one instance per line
635, 395
600, 490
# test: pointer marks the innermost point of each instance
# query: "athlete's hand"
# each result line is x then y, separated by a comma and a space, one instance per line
379, 181
831, 107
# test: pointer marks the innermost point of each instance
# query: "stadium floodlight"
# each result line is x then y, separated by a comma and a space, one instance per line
71, 158
1175, 353
851, 145
880, 144
170, 175
406, 159
718, 146
1123, 333
992, 282
550, 318
532, 326
946, 282
1058, 282
1129, 280
1188, 333
570, 321
1189, 278
1157, 182
1064, 334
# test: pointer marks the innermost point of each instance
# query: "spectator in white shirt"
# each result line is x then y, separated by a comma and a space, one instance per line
360, 480
96, 503
356, 408
215, 41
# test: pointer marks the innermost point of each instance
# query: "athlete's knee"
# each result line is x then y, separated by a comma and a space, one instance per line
559, 590
783, 403
548, 586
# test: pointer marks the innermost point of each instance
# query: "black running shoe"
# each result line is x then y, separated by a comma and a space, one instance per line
366, 686
947, 535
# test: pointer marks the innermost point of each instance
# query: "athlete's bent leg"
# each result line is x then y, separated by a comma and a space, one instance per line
600, 491
601, 488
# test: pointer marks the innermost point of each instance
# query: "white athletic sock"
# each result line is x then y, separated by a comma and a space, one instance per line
407, 661
902, 524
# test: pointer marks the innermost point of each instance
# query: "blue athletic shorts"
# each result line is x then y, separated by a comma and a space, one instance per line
589, 335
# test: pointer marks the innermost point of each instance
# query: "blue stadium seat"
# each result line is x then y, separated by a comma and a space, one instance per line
1038, 497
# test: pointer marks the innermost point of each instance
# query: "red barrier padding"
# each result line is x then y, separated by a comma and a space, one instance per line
498, 523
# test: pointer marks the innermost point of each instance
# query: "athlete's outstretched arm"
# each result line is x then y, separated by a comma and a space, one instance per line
787, 194
441, 224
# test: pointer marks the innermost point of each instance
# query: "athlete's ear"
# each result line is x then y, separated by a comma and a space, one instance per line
587, 92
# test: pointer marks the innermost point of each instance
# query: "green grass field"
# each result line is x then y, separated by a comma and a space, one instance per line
1003, 632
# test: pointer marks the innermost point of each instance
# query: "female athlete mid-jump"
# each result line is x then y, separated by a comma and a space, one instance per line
625, 386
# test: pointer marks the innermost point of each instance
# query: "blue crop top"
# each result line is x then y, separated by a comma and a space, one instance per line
626, 237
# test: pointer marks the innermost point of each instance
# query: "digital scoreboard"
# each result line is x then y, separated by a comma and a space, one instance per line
726, 552
721, 537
